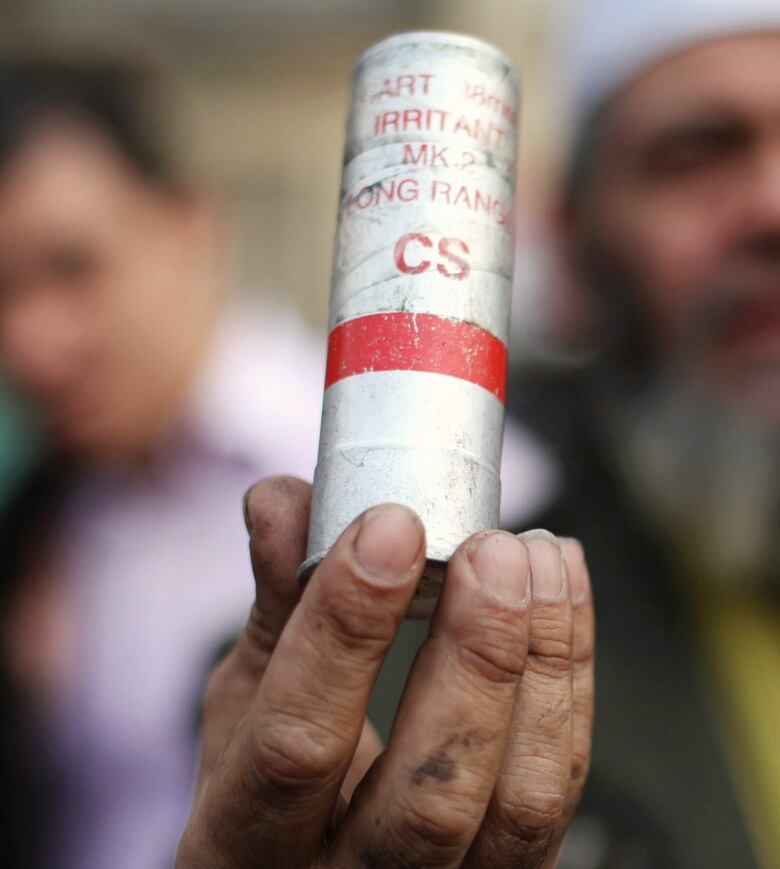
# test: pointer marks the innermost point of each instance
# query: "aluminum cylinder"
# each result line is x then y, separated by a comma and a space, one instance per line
416, 374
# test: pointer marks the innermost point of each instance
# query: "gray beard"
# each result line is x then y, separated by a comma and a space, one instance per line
706, 475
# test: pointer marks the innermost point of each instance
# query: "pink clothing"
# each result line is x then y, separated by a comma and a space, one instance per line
155, 578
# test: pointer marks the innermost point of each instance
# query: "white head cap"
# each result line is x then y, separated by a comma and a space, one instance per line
617, 39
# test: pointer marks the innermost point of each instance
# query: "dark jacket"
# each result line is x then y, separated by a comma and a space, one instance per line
659, 794
30, 784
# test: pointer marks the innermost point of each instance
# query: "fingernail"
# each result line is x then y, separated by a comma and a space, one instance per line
547, 569
500, 562
245, 508
578, 578
388, 543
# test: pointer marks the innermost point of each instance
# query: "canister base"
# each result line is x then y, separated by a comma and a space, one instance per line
428, 591
425, 598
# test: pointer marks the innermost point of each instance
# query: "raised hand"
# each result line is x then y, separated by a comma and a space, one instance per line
490, 746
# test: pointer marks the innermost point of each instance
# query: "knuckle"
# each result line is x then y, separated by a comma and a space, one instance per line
520, 852
534, 817
550, 668
492, 649
355, 620
552, 629
551, 640
296, 754
442, 825
490, 664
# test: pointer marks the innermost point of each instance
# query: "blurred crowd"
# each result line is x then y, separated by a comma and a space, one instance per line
645, 421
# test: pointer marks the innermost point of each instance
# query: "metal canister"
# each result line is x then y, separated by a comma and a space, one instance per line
416, 374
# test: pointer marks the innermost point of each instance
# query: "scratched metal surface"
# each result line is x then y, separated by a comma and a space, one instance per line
424, 228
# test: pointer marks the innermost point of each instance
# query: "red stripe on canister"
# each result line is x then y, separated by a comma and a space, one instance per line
402, 341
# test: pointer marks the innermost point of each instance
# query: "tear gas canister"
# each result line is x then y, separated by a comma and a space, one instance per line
417, 350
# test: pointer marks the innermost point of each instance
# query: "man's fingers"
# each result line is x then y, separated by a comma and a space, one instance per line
582, 656
277, 518
276, 512
423, 804
282, 771
527, 804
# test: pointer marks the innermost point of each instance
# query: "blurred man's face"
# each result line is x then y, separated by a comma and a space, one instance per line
683, 211
99, 306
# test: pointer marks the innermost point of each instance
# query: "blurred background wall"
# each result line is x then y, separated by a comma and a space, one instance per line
270, 83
